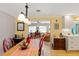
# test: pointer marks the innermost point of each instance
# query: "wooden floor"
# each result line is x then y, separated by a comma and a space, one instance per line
64, 53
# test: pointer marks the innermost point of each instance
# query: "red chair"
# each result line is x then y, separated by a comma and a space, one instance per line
40, 45
7, 44
28, 39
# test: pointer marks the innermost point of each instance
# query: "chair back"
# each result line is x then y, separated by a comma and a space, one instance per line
7, 44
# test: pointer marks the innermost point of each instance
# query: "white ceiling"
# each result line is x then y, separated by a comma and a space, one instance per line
46, 9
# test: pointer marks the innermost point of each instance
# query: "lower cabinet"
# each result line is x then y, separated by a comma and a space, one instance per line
72, 43
59, 43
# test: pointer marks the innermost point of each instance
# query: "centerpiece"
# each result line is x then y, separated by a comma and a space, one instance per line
23, 45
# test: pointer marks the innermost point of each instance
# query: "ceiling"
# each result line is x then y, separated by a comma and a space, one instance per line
46, 9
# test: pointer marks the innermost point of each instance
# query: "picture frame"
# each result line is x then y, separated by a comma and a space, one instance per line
20, 26
56, 26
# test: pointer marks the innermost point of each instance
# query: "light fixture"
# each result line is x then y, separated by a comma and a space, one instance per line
26, 20
23, 17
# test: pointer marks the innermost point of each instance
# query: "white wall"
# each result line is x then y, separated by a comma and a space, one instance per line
7, 27
68, 22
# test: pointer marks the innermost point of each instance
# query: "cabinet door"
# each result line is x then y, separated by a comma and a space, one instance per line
59, 44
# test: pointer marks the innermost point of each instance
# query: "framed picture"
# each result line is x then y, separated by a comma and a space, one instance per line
56, 26
20, 26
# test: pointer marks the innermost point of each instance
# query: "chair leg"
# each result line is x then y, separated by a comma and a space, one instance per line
39, 52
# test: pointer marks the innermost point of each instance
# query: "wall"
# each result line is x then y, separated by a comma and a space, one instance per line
53, 21
75, 18
25, 32
39, 18
68, 22
7, 27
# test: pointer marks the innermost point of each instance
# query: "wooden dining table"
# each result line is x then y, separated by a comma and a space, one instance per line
16, 51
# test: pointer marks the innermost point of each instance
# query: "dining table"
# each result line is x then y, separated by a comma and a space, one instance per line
16, 51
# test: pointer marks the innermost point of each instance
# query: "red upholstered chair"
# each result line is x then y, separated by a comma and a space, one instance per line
40, 45
28, 39
37, 34
7, 44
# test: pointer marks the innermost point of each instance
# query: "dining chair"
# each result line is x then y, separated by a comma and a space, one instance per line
7, 44
41, 45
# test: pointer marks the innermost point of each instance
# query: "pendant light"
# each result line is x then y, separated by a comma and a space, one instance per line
23, 17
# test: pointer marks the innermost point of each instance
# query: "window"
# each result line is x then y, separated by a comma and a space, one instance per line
42, 26
49, 28
42, 29
32, 29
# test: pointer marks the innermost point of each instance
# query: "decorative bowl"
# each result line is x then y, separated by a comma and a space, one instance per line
23, 46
